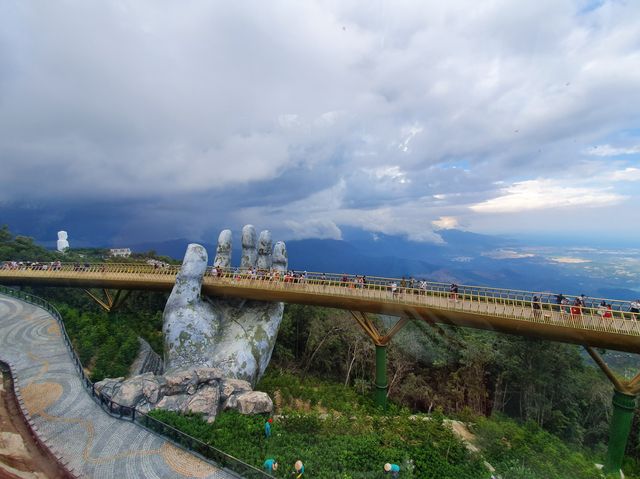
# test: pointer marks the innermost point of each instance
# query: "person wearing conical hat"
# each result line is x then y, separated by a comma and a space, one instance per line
392, 469
298, 469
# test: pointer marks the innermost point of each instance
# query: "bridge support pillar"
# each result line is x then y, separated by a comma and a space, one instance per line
380, 341
623, 408
624, 405
109, 303
382, 385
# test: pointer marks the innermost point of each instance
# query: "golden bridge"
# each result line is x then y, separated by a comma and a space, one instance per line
503, 310
532, 314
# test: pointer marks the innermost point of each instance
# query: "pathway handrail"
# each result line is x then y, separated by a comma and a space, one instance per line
477, 300
126, 412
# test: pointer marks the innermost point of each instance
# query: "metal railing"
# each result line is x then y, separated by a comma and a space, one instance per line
616, 317
132, 414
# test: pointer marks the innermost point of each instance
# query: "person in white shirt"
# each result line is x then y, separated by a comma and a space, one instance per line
634, 308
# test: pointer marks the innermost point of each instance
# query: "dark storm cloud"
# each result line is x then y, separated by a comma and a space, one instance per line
178, 118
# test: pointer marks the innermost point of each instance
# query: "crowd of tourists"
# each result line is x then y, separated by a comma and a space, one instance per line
32, 265
541, 303
580, 305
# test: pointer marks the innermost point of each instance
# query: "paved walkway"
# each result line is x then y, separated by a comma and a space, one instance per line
73, 426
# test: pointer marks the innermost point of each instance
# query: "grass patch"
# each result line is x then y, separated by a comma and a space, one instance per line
338, 446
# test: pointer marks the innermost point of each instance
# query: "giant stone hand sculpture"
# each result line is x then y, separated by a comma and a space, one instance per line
235, 336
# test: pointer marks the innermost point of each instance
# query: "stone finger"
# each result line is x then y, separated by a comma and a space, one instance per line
223, 250
249, 247
265, 246
189, 279
280, 258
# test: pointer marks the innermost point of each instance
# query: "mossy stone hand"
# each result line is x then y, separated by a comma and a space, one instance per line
234, 335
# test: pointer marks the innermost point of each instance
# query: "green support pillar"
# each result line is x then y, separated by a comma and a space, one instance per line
623, 408
381, 376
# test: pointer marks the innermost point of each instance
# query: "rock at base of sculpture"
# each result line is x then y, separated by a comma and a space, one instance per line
147, 360
200, 390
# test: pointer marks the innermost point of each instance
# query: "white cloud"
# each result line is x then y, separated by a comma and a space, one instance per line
569, 260
608, 150
546, 194
628, 174
445, 223
507, 254
393, 173
409, 133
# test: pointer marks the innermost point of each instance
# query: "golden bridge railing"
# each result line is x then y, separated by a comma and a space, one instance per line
504, 303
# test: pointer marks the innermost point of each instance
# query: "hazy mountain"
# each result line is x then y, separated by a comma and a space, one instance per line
463, 257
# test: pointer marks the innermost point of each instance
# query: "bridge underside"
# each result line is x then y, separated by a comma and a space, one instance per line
548, 327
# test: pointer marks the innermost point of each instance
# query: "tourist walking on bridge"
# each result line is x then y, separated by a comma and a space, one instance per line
453, 289
602, 308
576, 309
559, 301
634, 308
537, 307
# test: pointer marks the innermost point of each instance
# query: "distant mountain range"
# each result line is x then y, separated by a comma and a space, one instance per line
464, 257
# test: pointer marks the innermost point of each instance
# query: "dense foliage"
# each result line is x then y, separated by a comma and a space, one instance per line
339, 446
108, 343
356, 443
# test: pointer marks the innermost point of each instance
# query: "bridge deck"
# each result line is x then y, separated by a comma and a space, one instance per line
508, 311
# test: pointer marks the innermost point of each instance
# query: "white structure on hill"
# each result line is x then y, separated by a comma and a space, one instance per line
122, 252
63, 244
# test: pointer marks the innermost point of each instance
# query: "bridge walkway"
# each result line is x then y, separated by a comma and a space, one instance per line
86, 439
495, 309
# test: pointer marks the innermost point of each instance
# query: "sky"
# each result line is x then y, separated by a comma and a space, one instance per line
156, 119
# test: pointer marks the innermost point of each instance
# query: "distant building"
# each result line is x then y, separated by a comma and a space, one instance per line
121, 252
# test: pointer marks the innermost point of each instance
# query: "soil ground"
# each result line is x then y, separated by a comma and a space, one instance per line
20, 455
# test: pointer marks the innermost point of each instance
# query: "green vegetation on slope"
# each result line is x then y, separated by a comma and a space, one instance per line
23, 248
339, 446
107, 343
356, 443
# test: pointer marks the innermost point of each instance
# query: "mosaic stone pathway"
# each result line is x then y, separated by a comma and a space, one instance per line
90, 442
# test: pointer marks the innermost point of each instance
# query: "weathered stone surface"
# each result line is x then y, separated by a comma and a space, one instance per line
200, 390
254, 402
206, 375
190, 324
206, 401
175, 403
229, 387
108, 386
233, 335
130, 391
147, 360
12, 445
15, 458
180, 382
152, 389
230, 403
